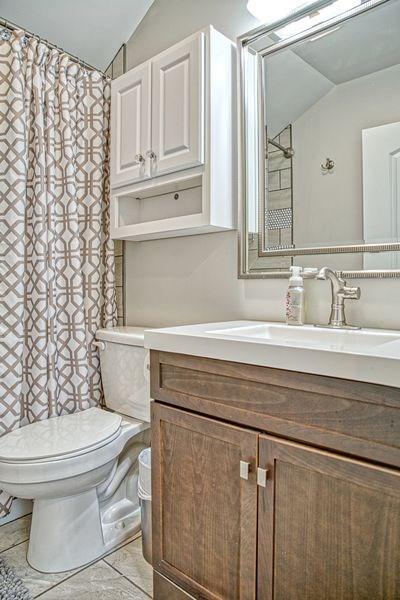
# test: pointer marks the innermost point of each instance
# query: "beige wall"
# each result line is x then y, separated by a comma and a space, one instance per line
194, 279
332, 128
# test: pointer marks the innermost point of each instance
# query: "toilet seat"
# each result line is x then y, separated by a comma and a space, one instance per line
35, 469
60, 438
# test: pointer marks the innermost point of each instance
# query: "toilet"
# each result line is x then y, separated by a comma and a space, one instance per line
81, 470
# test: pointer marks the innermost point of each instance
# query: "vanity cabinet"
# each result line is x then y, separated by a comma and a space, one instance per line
206, 514
173, 142
328, 526
272, 484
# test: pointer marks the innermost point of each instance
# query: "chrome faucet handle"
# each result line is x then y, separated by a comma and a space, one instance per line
351, 292
340, 292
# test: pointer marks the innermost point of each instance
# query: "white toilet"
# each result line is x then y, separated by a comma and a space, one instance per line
81, 470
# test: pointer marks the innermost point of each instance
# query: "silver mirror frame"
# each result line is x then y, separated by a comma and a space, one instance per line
246, 57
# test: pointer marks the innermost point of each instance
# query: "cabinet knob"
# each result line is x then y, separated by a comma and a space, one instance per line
151, 154
140, 159
244, 469
262, 476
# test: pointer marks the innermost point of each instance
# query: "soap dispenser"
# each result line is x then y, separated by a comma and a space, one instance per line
295, 298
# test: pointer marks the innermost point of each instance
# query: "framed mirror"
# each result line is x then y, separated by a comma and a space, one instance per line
320, 141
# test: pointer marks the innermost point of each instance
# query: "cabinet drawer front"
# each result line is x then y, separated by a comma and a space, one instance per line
204, 512
329, 527
130, 125
352, 417
178, 107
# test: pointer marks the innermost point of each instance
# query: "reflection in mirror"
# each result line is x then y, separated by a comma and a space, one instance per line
329, 123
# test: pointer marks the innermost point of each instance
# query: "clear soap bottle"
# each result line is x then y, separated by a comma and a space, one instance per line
295, 298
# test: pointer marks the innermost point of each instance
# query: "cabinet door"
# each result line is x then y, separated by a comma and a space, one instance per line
130, 126
204, 512
329, 527
178, 107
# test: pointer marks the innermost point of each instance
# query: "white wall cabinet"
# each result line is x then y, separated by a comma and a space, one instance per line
178, 107
173, 142
130, 125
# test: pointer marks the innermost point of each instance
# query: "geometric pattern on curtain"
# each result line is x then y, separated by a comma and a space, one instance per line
57, 259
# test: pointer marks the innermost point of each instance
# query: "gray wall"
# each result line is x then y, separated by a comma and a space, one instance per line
194, 279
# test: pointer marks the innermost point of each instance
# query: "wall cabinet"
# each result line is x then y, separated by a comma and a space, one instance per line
131, 125
178, 107
240, 512
173, 137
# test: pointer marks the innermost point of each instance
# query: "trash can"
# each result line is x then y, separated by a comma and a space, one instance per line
144, 493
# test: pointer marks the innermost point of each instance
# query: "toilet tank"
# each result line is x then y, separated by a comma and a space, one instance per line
125, 371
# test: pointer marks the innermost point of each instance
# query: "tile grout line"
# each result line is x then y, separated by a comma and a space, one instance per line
21, 541
130, 580
14, 545
16, 519
81, 569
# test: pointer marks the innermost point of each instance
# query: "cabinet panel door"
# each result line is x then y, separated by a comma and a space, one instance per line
130, 125
204, 513
178, 107
329, 526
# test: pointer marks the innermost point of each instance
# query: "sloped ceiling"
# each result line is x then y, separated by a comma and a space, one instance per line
90, 29
297, 78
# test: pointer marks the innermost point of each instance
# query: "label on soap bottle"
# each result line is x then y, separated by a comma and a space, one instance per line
294, 306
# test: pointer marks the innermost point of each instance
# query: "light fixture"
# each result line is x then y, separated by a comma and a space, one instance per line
319, 16
268, 11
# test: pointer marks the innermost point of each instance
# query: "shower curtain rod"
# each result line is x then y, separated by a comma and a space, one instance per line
13, 27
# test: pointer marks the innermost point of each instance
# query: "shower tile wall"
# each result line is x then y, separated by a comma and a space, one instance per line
279, 214
115, 69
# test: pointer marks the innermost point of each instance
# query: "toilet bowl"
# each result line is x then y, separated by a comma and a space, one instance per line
81, 469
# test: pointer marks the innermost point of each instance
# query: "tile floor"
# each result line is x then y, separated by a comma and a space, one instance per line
122, 574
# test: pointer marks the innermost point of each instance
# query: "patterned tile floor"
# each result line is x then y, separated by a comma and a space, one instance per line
122, 574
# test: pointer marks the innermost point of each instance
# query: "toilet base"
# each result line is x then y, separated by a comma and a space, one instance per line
69, 533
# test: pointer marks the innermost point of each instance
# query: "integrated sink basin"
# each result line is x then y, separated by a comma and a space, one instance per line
371, 355
311, 337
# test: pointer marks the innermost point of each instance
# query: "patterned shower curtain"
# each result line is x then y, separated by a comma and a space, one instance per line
57, 264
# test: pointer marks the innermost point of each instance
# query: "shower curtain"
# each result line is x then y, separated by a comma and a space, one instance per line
57, 261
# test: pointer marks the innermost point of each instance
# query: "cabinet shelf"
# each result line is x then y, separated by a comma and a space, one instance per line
159, 211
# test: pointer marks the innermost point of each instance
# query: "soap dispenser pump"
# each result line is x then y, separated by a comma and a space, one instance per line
295, 298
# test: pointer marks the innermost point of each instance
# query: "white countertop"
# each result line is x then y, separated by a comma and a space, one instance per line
370, 355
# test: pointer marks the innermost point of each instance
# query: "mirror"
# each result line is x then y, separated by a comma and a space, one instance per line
320, 141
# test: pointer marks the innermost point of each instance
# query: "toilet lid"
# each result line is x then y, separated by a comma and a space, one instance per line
60, 436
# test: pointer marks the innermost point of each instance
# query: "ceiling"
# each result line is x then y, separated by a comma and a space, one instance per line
298, 77
363, 45
91, 29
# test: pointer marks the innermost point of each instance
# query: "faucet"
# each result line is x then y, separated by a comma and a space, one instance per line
340, 292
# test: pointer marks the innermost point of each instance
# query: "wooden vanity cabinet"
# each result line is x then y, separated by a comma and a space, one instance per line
328, 526
205, 512
248, 501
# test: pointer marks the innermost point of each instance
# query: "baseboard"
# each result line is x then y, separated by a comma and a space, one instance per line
19, 508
